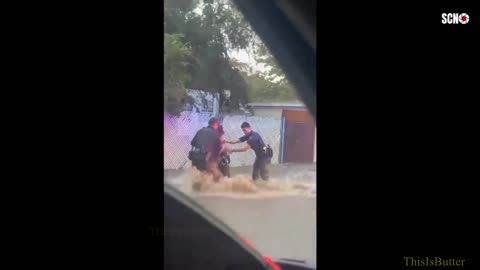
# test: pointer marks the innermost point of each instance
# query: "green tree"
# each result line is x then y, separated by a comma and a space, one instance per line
261, 89
177, 66
271, 85
209, 29
263, 56
198, 38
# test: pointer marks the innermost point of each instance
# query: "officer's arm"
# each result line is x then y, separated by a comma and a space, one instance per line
243, 149
232, 141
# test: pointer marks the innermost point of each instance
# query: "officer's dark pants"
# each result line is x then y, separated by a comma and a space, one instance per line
209, 167
260, 168
201, 165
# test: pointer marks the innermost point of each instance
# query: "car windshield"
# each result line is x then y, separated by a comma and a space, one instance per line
238, 140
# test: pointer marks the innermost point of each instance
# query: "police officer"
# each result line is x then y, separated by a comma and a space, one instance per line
206, 149
254, 142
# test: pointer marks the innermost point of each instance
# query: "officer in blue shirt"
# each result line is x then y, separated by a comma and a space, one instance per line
256, 143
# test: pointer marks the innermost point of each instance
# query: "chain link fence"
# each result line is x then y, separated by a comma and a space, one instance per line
179, 132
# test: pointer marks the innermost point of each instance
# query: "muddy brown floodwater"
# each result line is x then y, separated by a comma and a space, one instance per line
277, 216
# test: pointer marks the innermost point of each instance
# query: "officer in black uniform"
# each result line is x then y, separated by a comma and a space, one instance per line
255, 142
206, 149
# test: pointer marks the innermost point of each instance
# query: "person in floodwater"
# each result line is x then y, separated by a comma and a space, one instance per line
255, 142
206, 148
224, 156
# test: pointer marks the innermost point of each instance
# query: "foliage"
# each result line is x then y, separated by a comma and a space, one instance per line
271, 85
198, 36
203, 31
264, 90
177, 66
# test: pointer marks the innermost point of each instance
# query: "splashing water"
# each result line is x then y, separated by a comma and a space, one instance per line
196, 183
261, 210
